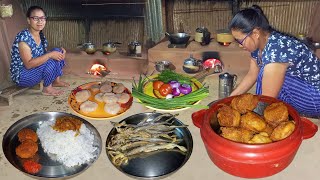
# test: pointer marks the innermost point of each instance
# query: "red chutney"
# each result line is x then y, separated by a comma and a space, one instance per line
31, 166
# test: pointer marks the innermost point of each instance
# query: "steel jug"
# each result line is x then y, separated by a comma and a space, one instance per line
134, 48
227, 83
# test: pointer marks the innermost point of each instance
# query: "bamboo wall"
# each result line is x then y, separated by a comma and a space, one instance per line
122, 30
291, 16
70, 33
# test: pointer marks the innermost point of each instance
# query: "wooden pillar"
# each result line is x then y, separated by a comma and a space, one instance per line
169, 16
235, 6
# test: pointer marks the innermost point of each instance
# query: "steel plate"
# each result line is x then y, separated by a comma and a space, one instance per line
158, 164
50, 168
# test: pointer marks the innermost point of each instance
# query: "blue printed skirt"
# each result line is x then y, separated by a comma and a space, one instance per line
303, 97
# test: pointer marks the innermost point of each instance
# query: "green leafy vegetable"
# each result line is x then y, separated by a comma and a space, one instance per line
169, 75
174, 103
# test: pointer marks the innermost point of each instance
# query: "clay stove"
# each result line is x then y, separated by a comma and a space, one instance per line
98, 65
98, 69
170, 45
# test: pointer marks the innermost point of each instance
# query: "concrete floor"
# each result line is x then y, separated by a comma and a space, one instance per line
305, 165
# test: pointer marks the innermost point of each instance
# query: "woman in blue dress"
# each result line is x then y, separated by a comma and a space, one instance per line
31, 63
281, 66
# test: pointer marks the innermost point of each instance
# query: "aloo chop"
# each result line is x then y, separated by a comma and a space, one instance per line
101, 99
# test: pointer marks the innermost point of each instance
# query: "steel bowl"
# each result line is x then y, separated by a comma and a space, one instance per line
162, 65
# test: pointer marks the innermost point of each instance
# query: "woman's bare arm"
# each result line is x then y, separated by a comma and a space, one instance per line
29, 62
249, 80
273, 78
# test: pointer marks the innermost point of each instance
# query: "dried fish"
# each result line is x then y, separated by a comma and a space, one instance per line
150, 135
155, 147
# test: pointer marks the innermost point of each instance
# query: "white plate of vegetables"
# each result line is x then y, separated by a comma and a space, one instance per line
170, 92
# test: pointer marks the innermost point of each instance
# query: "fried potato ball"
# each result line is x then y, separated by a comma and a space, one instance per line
228, 116
236, 134
27, 134
261, 138
283, 130
27, 149
253, 122
245, 102
268, 129
276, 113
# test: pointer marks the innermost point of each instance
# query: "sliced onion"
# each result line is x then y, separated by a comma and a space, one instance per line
175, 91
169, 96
174, 84
185, 89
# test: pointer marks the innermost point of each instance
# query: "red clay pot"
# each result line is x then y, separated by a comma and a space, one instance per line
247, 160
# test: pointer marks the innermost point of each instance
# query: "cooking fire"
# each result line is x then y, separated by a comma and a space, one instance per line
98, 70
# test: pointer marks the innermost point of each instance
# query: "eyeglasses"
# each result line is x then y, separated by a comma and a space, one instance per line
38, 19
241, 41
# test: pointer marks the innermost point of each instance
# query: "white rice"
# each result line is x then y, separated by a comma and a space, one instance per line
70, 150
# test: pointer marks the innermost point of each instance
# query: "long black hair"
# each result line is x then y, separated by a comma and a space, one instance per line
33, 8
248, 19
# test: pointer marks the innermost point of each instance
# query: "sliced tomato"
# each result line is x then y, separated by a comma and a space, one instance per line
157, 84
158, 95
165, 89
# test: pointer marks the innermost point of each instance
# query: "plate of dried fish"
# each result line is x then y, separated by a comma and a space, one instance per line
149, 145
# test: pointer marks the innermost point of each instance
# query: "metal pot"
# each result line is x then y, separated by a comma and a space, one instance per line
89, 48
192, 65
203, 36
178, 38
251, 160
109, 47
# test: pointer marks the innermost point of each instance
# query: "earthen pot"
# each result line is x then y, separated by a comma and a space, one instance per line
251, 160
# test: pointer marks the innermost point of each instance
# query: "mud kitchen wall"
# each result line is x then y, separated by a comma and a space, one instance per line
77, 21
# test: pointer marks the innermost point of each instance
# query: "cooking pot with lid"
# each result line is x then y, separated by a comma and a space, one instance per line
203, 36
192, 65
251, 160
88, 47
109, 47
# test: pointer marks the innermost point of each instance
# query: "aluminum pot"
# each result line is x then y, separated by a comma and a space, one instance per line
89, 48
192, 65
178, 38
251, 160
109, 47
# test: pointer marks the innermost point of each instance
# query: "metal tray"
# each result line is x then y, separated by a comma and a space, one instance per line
50, 168
159, 164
